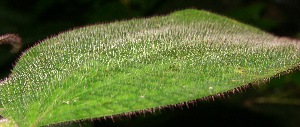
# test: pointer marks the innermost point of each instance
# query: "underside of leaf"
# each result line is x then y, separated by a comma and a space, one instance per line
122, 67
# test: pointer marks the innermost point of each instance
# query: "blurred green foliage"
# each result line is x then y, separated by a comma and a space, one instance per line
35, 20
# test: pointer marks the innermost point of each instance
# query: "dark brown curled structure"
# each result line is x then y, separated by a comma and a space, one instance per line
13, 40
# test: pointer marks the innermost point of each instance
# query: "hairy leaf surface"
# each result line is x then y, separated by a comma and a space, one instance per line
121, 67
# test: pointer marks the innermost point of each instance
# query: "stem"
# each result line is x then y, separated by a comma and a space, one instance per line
12, 39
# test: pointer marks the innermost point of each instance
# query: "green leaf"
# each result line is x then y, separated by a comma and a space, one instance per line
139, 65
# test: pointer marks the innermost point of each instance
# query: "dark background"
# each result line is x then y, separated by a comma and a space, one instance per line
275, 104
